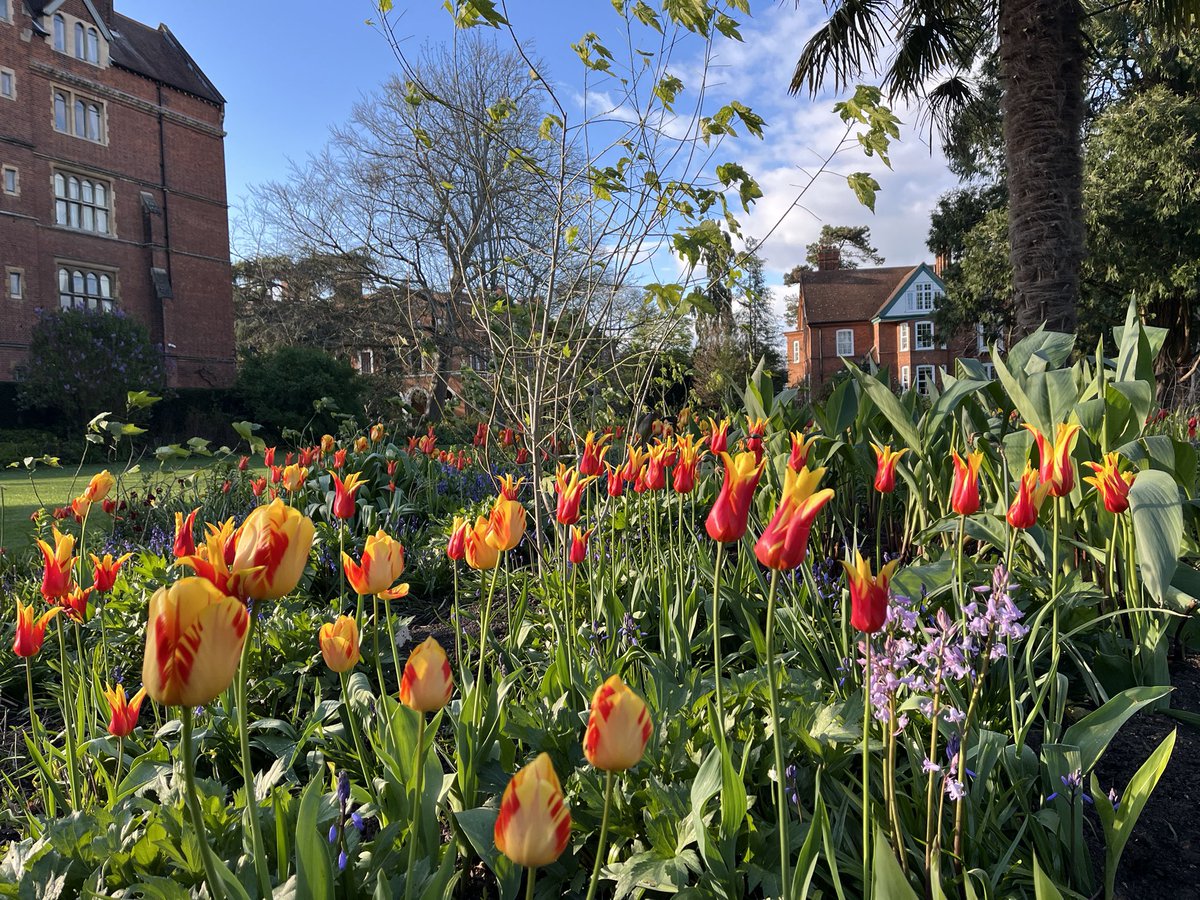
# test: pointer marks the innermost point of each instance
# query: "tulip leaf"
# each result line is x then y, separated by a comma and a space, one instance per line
314, 871
889, 404
887, 877
1092, 733
1158, 529
1043, 887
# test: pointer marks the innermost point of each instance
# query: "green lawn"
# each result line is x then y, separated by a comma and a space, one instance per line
51, 488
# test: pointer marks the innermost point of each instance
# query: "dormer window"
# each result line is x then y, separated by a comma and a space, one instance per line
60, 33
93, 46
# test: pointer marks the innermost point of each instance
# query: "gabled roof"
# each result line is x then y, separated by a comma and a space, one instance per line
849, 295
153, 53
903, 286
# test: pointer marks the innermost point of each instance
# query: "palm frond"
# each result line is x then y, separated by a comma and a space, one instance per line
847, 45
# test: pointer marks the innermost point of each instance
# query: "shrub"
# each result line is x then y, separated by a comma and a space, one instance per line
285, 388
81, 363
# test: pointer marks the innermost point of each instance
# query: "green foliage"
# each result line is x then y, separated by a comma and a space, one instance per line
83, 362
298, 388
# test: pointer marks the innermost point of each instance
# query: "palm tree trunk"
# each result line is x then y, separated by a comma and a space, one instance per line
1041, 70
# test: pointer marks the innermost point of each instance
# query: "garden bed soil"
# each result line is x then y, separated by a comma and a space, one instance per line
1162, 858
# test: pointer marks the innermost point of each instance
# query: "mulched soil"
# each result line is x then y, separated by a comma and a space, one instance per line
1162, 859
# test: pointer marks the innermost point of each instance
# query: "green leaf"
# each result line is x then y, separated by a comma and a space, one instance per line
1093, 732
887, 878
890, 406
1158, 528
314, 871
140, 399
1043, 887
865, 188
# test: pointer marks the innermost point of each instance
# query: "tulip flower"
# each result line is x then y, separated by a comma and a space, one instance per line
110, 506
258, 485
755, 430
124, 711
428, 443
784, 543
339, 644
507, 520
185, 542
508, 437
868, 593
269, 457
426, 684
376, 432
616, 481
58, 563
690, 453
276, 474
31, 632
522, 456
726, 521
243, 463
635, 461
1056, 469
75, 603
361, 445
592, 460
99, 486
294, 477
477, 551
104, 571
272, 551
656, 467
570, 487
885, 467
343, 498
1192, 422
964, 492
801, 448
718, 441
339, 459
327, 444
579, 545
1023, 512
1112, 484
194, 639
456, 547
481, 435
381, 566
212, 558
618, 727
534, 824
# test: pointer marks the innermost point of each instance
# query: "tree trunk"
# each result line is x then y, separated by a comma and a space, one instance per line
1041, 70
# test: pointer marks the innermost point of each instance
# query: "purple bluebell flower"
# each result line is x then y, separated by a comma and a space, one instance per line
342, 860
333, 833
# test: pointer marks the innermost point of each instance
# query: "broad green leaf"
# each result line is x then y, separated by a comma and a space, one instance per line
889, 404
314, 870
1158, 528
1043, 887
887, 879
1093, 732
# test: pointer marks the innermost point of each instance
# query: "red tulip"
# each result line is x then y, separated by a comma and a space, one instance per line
579, 545
124, 712
1112, 483
885, 467
185, 541
570, 487
1056, 469
784, 543
1023, 512
104, 571
31, 632
727, 520
868, 594
964, 492
343, 498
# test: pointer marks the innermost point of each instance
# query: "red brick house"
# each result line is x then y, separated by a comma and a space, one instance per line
112, 184
877, 318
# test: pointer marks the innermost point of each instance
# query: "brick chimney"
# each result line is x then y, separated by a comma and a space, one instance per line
940, 262
828, 258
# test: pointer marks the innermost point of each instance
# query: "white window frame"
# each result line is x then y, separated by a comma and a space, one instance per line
795, 350
366, 362
902, 342
7, 74
74, 211
14, 277
77, 291
923, 297
918, 344
905, 381
74, 104
840, 338
929, 381
5, 173
990, 371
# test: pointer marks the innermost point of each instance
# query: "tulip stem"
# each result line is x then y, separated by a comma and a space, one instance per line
1052, 726
68, 723
781, 809
458, 650
414, 833
608, 789
483, 635
866, 769
193, 806
117, 779
33, 722
716, 630
529, 882
352, 724
260, 853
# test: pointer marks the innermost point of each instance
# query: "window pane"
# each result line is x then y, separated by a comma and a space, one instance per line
89, 219
60, 112
60, 185
94, 122
64, 280
101, 195
73, 215
77, 282
86, 188
102, 220
105, 286
80, 118
73, 188
60, 212
60, 34
93, 284
93, 46
79, 40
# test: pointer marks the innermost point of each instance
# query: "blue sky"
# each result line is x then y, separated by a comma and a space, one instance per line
290, 70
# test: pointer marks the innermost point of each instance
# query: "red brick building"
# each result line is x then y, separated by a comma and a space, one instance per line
112, 184
877, 318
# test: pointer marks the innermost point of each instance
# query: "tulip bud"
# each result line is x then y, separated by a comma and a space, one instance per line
618, 727
339, 644
534, 824
124, 712
426, 684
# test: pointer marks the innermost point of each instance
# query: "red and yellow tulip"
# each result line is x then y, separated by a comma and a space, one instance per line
104, 571
534, 824
784, 542
579, 545
801, 448
339, 644
478, 553
124, 712
618, 727
507, 519
427, 682
75, 603
57, 564
381, 566
569, 485
456, 547
31, 632
1111, 482
98, 487
193, 642
294, 477
718, 441
868, 593
1055, 468
343, 494
727, 519
885, 467
592, 460
691, 452
964, 491
1023, 512
185, 541
272, 550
